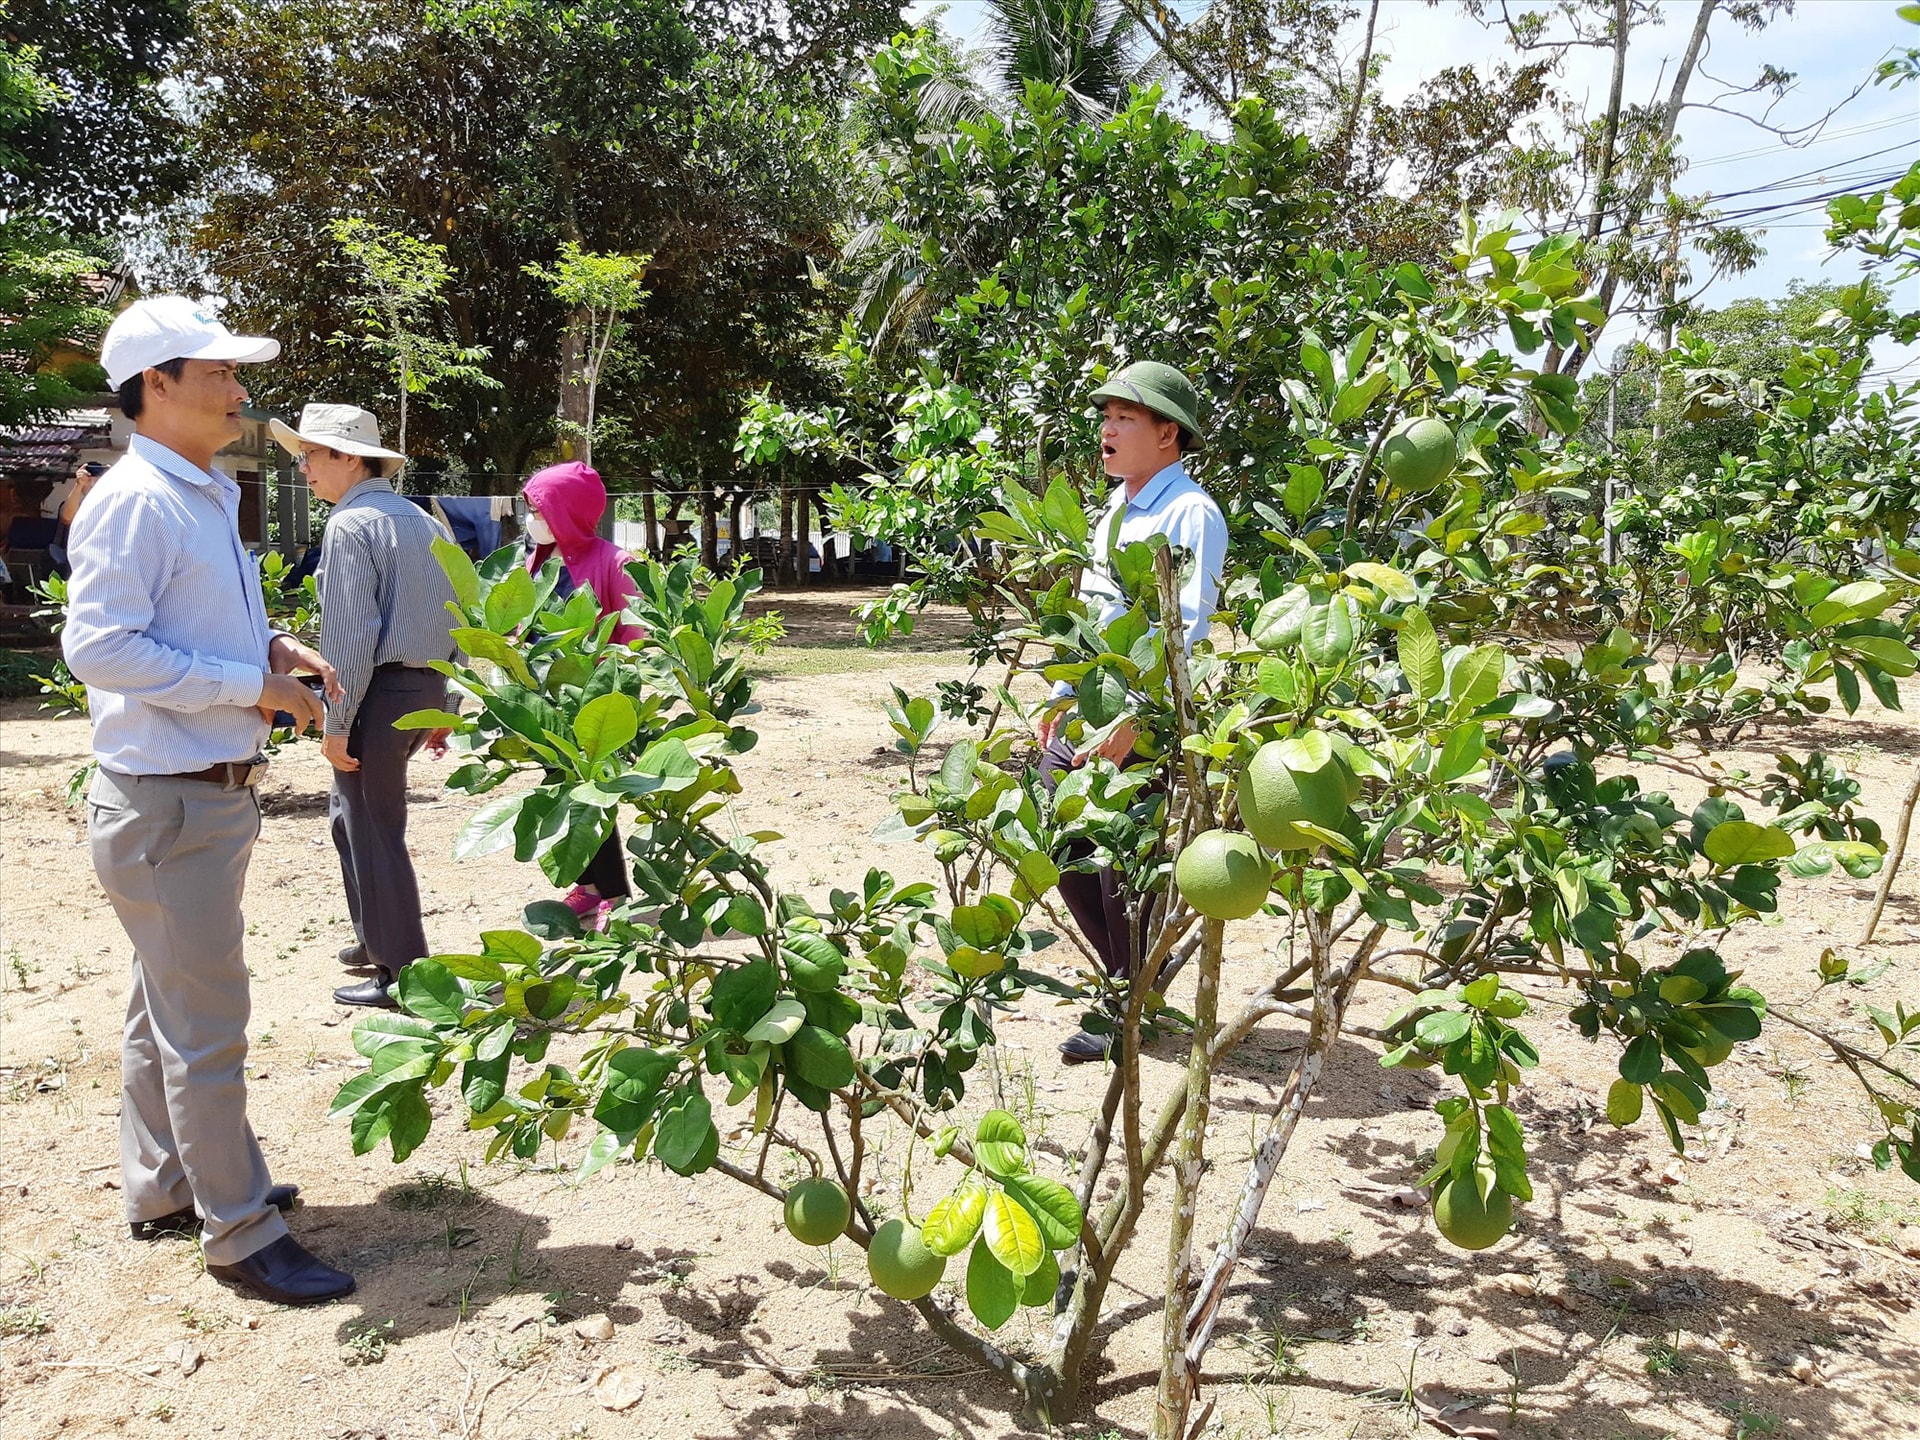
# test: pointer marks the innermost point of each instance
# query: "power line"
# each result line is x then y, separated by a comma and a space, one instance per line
1823, 140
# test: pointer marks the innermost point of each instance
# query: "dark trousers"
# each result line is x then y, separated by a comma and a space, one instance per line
1096, 900
607, 871
368, 811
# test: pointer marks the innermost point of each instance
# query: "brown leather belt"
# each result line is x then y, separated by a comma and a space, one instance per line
230, 774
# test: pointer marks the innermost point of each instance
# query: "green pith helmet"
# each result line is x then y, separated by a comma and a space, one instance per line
1161, 389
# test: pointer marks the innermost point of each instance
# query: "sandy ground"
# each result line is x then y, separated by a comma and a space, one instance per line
1756, 1288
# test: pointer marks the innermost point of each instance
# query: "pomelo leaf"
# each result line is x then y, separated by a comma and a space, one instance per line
953, 1222
1420, 654
1741, 842
992, 1293
1012, 1235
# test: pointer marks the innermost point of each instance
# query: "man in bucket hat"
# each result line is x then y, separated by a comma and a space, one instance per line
167, 628
383, 625
1149, 420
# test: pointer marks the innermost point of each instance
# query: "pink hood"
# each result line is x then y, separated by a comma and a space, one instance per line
571, 499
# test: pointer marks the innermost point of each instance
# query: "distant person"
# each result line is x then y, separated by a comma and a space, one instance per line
564, 505
1149, 423
167, 629
383, 622
84, 476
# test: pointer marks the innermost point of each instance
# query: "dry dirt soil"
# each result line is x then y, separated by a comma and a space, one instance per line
1765, 1285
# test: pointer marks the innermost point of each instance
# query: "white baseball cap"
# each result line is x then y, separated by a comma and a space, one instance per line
172, 327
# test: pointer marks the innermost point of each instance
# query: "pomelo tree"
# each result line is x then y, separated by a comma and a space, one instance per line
1423, 734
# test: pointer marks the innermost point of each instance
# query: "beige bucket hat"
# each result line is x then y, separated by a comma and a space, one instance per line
346, 428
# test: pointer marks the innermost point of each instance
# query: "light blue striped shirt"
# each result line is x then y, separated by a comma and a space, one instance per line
1170, 504
383, 595
165, 623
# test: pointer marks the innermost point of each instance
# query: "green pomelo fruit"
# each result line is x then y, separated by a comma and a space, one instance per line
817, 1211
1468, 1219
901, 1264
1223, 875
1273, 798
1419, 455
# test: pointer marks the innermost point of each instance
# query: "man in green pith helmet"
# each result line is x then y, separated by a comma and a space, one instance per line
1150, 420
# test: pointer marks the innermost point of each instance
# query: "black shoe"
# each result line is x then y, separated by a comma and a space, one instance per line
287, 1274
355, 957
371, 992
1080, 1048
186, 1221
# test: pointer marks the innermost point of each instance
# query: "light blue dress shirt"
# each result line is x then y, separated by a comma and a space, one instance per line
165, 622
1170, 504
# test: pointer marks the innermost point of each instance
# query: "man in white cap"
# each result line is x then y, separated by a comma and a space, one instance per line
167, 628
384, 622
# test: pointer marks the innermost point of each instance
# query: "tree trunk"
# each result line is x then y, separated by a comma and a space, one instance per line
1189, 1160
709, 522
783, 567
736, 540
1351, 125
650, 506
1890, 866
1633, 209
576, 441
803, 538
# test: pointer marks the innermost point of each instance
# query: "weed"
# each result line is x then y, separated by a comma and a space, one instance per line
521, 1262
1793, 1079
522, 1355
435, 1192
1664, 1357
1402, 1398
162, 1411
201, 1321
368, 1346
1750, 1422
1516, 1387
23, 1320
1868, 1216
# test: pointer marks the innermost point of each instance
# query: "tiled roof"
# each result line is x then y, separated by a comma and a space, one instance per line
52, 449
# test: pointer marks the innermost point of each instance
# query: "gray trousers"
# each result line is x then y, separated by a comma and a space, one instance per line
172, 857
368, 811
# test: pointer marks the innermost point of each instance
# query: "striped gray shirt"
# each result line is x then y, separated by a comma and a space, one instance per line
383, 596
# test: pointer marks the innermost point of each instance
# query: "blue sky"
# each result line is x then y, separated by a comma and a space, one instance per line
1830, 45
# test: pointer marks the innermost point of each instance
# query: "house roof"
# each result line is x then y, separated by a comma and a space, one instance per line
52, 449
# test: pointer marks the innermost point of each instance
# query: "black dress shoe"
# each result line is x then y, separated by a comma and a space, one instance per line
355, 957
371, 992
1081, 1048
287, 1274
186, 1221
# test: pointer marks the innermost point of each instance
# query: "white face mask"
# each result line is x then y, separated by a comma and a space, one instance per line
538, 530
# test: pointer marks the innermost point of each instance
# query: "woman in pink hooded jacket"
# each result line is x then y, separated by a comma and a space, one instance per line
565, 504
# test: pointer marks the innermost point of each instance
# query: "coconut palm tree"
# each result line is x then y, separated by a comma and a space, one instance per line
1092, 49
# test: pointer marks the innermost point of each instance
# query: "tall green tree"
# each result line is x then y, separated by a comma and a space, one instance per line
614, 125
112, 142
400, 295
48, 314
1090, 49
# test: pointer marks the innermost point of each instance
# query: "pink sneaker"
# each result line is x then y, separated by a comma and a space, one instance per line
588, 905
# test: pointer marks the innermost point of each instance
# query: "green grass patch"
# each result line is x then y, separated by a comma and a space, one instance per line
853, 659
